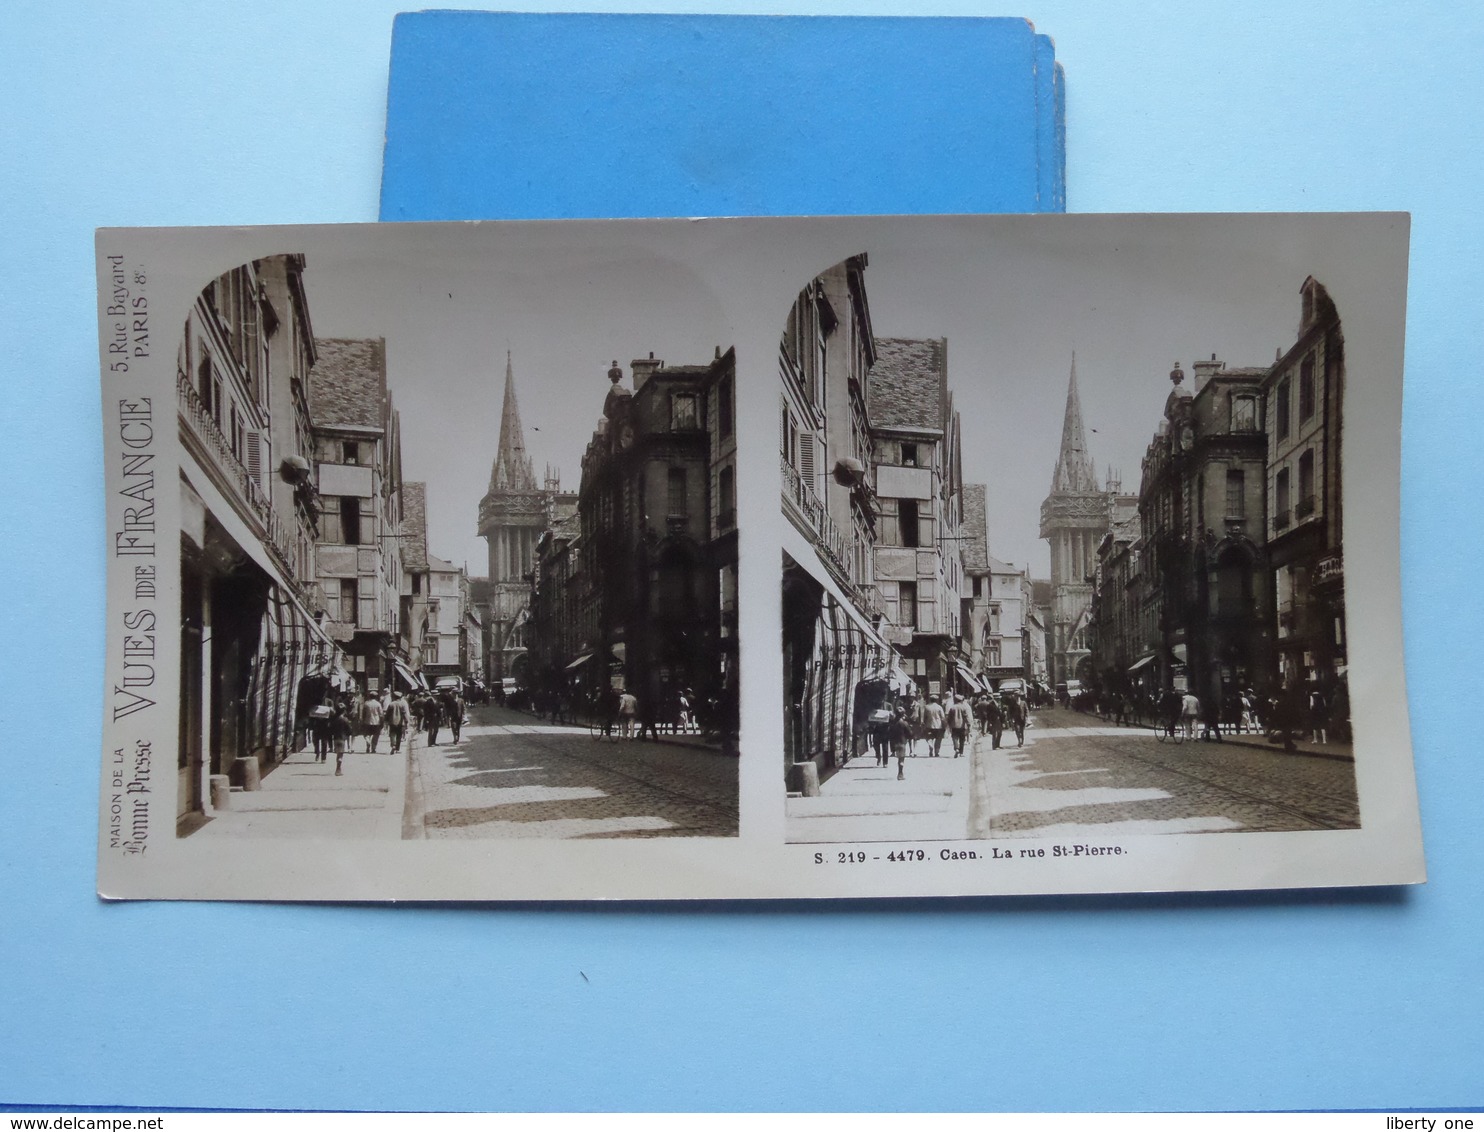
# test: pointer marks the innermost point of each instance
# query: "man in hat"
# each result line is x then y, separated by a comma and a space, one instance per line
934, 718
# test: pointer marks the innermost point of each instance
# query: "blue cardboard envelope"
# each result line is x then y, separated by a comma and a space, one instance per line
523, 115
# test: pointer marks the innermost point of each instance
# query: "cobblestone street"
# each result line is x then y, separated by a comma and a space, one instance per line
514, 776
1077, 775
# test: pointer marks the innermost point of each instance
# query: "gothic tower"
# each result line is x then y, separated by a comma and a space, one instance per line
512, 516
1074, 518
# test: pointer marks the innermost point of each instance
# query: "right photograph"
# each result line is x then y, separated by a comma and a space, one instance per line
1063, 553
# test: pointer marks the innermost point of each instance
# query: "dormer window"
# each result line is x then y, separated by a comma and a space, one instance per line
683, 414
1244, 414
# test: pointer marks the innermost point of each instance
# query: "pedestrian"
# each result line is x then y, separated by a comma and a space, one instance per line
899, 734
432, 718
994, 715
372, 715
934, 719
396, 718
877, 723
1211, 717
319, 729
340, 731
960, 719
1318, 716
608, 709
1190, 711
917, 720
628, 708
648, 713
453, 712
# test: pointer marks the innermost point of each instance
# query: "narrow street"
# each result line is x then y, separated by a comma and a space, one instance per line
1078, 775
511, 775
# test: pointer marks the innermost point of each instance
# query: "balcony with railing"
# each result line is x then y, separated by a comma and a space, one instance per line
208, 434
277, 537
844, 553
1304, 509
1282, 520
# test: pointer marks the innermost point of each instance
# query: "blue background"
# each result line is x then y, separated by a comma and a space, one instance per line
181, 113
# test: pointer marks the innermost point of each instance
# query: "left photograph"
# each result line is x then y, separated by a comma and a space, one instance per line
457, 553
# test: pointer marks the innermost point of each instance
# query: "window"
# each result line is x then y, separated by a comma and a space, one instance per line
1200, 500
1236, 494
994, 619
992, 653
350, 520
676, 494
978, 587
817, 384
1306, 482
726, 488
907, 523
909, 455
724, 406
1306, 388
350, 452
1281, 490
1244, 414
347, 602
203, 377
907, 603
683, 413
1280, 408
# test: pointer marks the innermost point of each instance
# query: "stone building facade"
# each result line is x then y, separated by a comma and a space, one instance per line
637, 590
513, 515
1074, 518
250, 515
917, 446
1305, 410
358, 464
874, 585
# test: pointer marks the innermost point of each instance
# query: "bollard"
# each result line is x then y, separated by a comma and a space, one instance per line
252, 773
808, 774
221, 791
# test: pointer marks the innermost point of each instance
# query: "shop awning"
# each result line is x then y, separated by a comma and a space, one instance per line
580, 661
337, 677
974, 683
1141, 662
412, 679
894, 677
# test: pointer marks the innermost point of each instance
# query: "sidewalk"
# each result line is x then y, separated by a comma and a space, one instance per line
864, 802
304, 800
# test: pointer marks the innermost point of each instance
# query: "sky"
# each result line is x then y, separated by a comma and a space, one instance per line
448, 322
1129, 309
1130, 295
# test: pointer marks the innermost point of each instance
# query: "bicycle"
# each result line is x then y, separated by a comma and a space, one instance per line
599, 727
1170, 730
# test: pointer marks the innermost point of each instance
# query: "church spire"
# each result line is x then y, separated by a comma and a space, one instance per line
512, 470
1074, 471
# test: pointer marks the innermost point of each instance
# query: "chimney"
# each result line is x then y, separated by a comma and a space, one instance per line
1204, 371
643, 369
